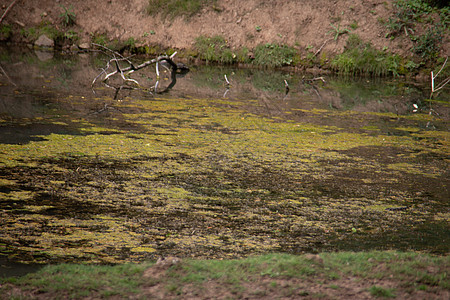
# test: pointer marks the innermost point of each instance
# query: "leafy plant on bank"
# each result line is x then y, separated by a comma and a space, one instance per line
68, 16
215, 49
428, 45
100, 39
361, 58
275, 55
337, 31
408, 13
33, 33
5, 32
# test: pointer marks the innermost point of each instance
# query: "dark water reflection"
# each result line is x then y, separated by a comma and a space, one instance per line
13, 269
44, 94
42, 76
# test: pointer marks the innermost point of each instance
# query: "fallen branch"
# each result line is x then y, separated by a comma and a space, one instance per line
117, 58
7, 9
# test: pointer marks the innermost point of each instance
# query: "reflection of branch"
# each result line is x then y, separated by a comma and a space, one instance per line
311, 81
173, 77
225, 93
104, 108
286, 89
315, 79
9, 79
117, 89
6, 11
227, 85
317, 92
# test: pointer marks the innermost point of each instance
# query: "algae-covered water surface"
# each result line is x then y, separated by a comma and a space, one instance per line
201, 169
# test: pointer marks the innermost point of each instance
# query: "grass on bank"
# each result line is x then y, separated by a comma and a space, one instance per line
75, 281
216, 49
275, 55
405, 272
361, 58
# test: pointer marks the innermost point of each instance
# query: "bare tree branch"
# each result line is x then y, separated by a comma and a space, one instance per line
440, 85
7, 9
321, 47
125, 71
123, 66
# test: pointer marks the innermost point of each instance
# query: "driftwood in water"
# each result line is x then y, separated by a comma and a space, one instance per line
113, 66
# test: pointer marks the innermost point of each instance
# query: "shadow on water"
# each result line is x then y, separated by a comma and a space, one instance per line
14, 269
202, 167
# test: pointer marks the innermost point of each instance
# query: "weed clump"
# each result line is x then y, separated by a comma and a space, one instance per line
428, 45
378, 291
408, 14
361, 58
214, 49
5, 32
68, 16
100, 39
274, 55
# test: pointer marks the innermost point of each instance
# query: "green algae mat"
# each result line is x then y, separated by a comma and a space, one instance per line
88, 178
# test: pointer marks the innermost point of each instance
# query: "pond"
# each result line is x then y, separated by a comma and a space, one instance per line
110, 174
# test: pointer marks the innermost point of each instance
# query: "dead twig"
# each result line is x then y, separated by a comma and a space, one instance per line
435, 88
321, 47
7, 9
227, 82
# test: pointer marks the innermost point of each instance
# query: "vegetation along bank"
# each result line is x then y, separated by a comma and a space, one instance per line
377, 38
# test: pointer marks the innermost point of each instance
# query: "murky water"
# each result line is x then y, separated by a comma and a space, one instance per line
204, 169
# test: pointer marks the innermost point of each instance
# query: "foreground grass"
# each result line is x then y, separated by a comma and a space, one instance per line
375, 274
76, 281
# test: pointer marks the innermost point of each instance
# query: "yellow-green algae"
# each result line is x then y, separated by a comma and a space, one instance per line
201, 180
